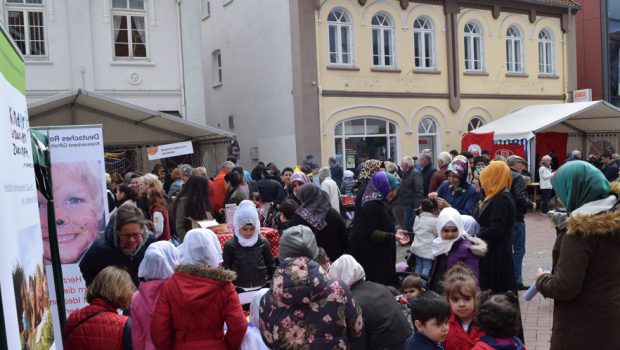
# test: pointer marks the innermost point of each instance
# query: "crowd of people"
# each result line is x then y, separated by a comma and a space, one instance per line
336, 282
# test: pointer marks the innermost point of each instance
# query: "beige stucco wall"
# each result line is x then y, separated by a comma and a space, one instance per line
406, 112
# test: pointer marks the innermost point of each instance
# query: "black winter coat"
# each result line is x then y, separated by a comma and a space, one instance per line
333, 237
104, 252
373, 242
496, 219
254, 265
427, 172
270, 190
411, 190
385, 325
519, 193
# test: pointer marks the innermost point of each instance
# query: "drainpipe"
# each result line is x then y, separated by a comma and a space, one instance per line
181, 68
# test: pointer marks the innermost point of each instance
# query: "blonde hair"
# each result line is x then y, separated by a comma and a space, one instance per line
114, 285
544, 158
152, 180
87, 172
202, 171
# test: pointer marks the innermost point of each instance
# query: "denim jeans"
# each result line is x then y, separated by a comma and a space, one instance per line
518, 249
423, 266
409, 218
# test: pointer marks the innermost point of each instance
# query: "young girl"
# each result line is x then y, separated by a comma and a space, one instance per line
499, 318
425, 232
461, 290
247, 252
452, 246
159, 212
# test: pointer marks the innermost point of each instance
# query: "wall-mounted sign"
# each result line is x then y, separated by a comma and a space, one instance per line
583, 95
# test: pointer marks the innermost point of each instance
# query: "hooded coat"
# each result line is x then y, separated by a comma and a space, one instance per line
585, 285
192, 308
105, 252
306, 309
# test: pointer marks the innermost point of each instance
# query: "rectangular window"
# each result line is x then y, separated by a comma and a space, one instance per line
217, 67
129, 29
26, 26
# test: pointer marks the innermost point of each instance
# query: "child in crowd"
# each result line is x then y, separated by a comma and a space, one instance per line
252, 339
287, 211
160, 260
498, 317
429, 314
452, 246
425, 232
247, 252
323, 260
411, 287
461, 290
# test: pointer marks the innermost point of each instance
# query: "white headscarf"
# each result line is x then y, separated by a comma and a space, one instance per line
252, 339
348, 174
159, 261
201, 247
246, 214
448, 217
470, 224
347, 269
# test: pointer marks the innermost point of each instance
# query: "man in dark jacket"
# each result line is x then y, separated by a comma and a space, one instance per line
411, 191
523, 203
427, 170
610, 168
336, 171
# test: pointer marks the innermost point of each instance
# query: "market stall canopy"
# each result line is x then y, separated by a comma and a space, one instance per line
123, 123
579, 117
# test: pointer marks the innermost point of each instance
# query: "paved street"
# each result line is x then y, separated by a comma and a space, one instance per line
537, 314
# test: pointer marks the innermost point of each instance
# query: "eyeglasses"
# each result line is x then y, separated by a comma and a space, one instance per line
131, 236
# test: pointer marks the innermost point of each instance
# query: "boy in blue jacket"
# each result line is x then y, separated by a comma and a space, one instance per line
429, 315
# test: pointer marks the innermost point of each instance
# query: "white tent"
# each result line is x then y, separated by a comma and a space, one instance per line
580, 117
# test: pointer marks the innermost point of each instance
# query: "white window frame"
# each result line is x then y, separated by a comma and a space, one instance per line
425, 54
216, 58
340, 26
546, 53
391, 153
25, 8
475, 122
381, 30
426, 132
470, 52
128, 13
514, 60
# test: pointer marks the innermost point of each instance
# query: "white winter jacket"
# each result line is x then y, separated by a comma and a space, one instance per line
425, 231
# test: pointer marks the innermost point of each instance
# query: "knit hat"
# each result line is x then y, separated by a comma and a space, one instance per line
298, 241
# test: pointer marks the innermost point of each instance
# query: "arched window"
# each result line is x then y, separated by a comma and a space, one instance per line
473, 47
340, 37
359, 139
382, 41
424, 43
428, 136
514, 50
475, 123
545, 53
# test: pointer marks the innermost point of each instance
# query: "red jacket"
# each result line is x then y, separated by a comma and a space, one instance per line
192, 308
103, 331
458, 339
219, 192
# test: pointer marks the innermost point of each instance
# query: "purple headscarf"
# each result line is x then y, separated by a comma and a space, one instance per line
314, 206
378, 187
299, 177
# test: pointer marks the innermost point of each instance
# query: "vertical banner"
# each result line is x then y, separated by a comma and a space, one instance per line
79, 189
26, 310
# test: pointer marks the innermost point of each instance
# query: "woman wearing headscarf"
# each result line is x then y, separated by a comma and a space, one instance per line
123, 244
198, 299
298, 179
584, 283
157, 266
252, 339
367, 170
373, 243
496, 217
247, 252
456, 192
453, 245
385, 325
326, 223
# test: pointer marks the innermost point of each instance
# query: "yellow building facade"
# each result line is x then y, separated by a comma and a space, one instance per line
397, 77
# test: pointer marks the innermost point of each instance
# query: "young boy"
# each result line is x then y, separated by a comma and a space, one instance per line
287, 210
429, 314
412, 286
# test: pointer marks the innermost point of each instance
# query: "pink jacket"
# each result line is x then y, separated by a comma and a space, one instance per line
142, 305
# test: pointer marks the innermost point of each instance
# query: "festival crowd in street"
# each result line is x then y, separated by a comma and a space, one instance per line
333, 281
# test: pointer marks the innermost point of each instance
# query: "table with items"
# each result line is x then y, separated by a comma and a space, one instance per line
272, 235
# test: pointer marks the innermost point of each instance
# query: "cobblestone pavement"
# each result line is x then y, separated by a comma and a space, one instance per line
537, 313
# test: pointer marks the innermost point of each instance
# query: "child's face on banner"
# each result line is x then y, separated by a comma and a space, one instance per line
77, 214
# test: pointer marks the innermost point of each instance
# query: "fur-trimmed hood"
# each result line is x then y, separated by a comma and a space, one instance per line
219, 274
593, 223
478, 246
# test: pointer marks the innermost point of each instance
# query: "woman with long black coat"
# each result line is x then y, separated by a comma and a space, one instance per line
326, 223
496, 217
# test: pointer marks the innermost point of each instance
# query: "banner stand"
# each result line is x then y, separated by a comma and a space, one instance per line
42, 166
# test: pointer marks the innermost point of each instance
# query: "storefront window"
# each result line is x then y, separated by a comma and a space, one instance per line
427, 136
360, 139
